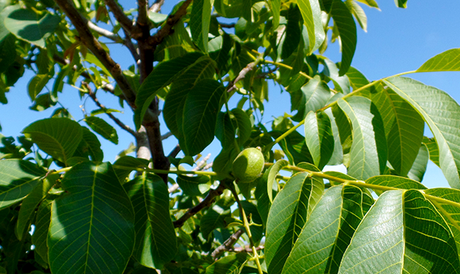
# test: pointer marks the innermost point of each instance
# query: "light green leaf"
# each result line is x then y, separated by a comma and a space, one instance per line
341, 82
319, 138
432, 147
446, 61
347, 29
162, 76
200, 19
315, 95
402, 233
311, 14
92, 224
30, 203
418, 169
358, 12
103, 128
275, 6
327, 234
368, 151
370, 3
291, 209
104, 111
441, 113
155, 236
30, 26
200, 116
230, 264
337, 154
395, 182
59, 137
17, 179
357, 79
274, 170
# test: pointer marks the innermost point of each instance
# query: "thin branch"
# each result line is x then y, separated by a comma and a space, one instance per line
88, 39
156, 7
115, 119
228, 244
106, 33
170, 22
246, 249
231, 86
174, 152
228, 26
201, 164
120, 16
129, 44
166, 135
203, 204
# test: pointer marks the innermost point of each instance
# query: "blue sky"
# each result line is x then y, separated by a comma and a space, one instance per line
397, 40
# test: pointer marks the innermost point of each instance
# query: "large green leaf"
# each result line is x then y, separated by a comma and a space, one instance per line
368, 151
42, 224
291, 209
440, 112
200, 19
347, 30
103, 128
28, 25
402, 233
155, 236
311, 14
405, 135
200, 116
59, 137
295, 148
162, 76
319, 138
17, 179
446, 61
395, 182
314, 95
92, 223
326, 235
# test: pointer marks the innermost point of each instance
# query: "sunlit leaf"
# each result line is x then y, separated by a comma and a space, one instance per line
314, 96
418, 169
311, 14
274, 170
319, 138
433, 150
275, 10
92, 224
446, 61
103, 128
440, 112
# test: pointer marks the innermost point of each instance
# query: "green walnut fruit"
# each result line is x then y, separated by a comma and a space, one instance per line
248, 165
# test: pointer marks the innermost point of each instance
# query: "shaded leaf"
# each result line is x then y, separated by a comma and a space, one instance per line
440, 112
230, 264
194, 186
92, 224
395, 182
155, 237
199, 22
42, 224
319, 138
103, 128
124, 165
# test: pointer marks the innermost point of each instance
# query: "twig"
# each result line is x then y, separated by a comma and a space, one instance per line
115, 119
228, 244
107, 34
174, 152
228, 26
202, 163
120, 16
129, 44
156, 7
203, 204
246, 249
231, 86
170, 22
166, 135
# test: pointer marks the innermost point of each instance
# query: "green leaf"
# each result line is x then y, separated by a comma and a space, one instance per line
194, 186
162, 76
124, 165
91, 145
418, 169
327, 234
36, 84
30, 203
59, 137
275, 6
402, 233
292, 33
200, 19
212, 219
230, 264
359, 13
347, 29
30, 26
291, 209
42, 224
243, 124
295, 148
337, 154
433, 150
274, 170
341, 82
319, 138
261, 195
314, 96
18, 178
92, 224
368, 151
370, 3
446, 61
440, 112
103, 128
401, 3
405, 135
394, 182
7, 51
311, 14
357, 79
200, 116
155, 236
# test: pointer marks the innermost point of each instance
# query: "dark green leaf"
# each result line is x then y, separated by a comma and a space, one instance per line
7, 51
42, 224
275, 10
401, 3
319, 138
155, 236
194, 186
123, 166
199, 22
212, 219
103, 128
228, 265
92, 224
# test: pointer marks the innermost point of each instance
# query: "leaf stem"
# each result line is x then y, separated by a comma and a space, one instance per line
179, 172
284, 135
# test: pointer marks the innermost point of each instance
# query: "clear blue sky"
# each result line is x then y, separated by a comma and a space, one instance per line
397, 40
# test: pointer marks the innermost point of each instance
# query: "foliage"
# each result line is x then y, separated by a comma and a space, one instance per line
208, 65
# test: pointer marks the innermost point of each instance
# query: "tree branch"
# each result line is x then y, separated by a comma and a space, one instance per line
203, 204
119, 15
231, 86
156, 7
115, 119
129, 44
107, 34
228, 244
156, 39
174, 152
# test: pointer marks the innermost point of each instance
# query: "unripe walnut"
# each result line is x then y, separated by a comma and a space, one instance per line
248, 165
